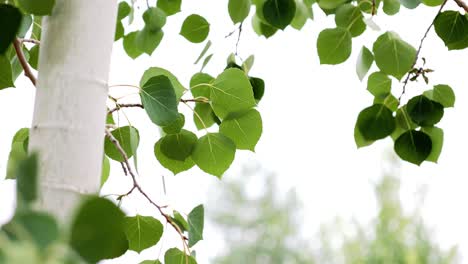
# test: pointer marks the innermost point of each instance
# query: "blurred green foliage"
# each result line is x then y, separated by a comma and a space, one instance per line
266, 228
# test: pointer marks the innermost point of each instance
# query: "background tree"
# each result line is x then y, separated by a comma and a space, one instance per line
269, 229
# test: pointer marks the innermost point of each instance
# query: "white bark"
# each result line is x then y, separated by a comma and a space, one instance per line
69, 112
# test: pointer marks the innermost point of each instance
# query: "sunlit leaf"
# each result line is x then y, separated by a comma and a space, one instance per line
195, 28
142, 232
334, 45
214, 153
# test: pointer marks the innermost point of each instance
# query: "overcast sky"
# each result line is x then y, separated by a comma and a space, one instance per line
309, 112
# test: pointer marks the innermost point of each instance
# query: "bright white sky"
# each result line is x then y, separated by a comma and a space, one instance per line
309, 112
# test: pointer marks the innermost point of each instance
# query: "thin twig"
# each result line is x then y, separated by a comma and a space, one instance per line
35, 41
405, 82
238, 38
462, 4
373, 8
23, 62
119, 106
136, 186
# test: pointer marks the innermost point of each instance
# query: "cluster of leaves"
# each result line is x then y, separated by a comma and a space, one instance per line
411, 126
99, 229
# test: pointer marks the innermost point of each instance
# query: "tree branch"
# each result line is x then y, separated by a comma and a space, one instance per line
23, 62
405, 82
119, 106
136, 186
462, 4
35, 41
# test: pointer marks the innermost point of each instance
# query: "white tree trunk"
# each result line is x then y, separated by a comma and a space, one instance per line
69, 112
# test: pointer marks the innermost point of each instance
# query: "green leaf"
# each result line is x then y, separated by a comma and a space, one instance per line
123, 11
195, 28
176, 126
180, 221
16, 67
27, 179
350, 17
154, 18
178, 146
175, 256
148, 40
97, 231
334, 45
37, 7
258, 87
442, 94
6, 75
437, 137
248, 64
214, 153
142, 232
151, 261
231, 92
403, 122
423, 111
244, 129
330, 4
128, 138
34, 56
26, 23
105, 170
203, 116
170, 7
155, 71
205, 49
389, 101
432, 2
10, 22
376, 122
196, 220
18, 152
261, 28
452, 28
40, 227
159, 99
238, 10
174, 166
410, 4
413, 146
279, 13
303, 13
379, 84
37, 27
364, 62
359, 138
392, 55
129, 44
119, 31
200, 85
391, 7
205, 61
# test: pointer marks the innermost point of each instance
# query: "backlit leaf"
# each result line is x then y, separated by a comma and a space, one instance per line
214, 153
142, 232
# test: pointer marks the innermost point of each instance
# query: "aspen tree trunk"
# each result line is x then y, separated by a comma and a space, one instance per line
70, 110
